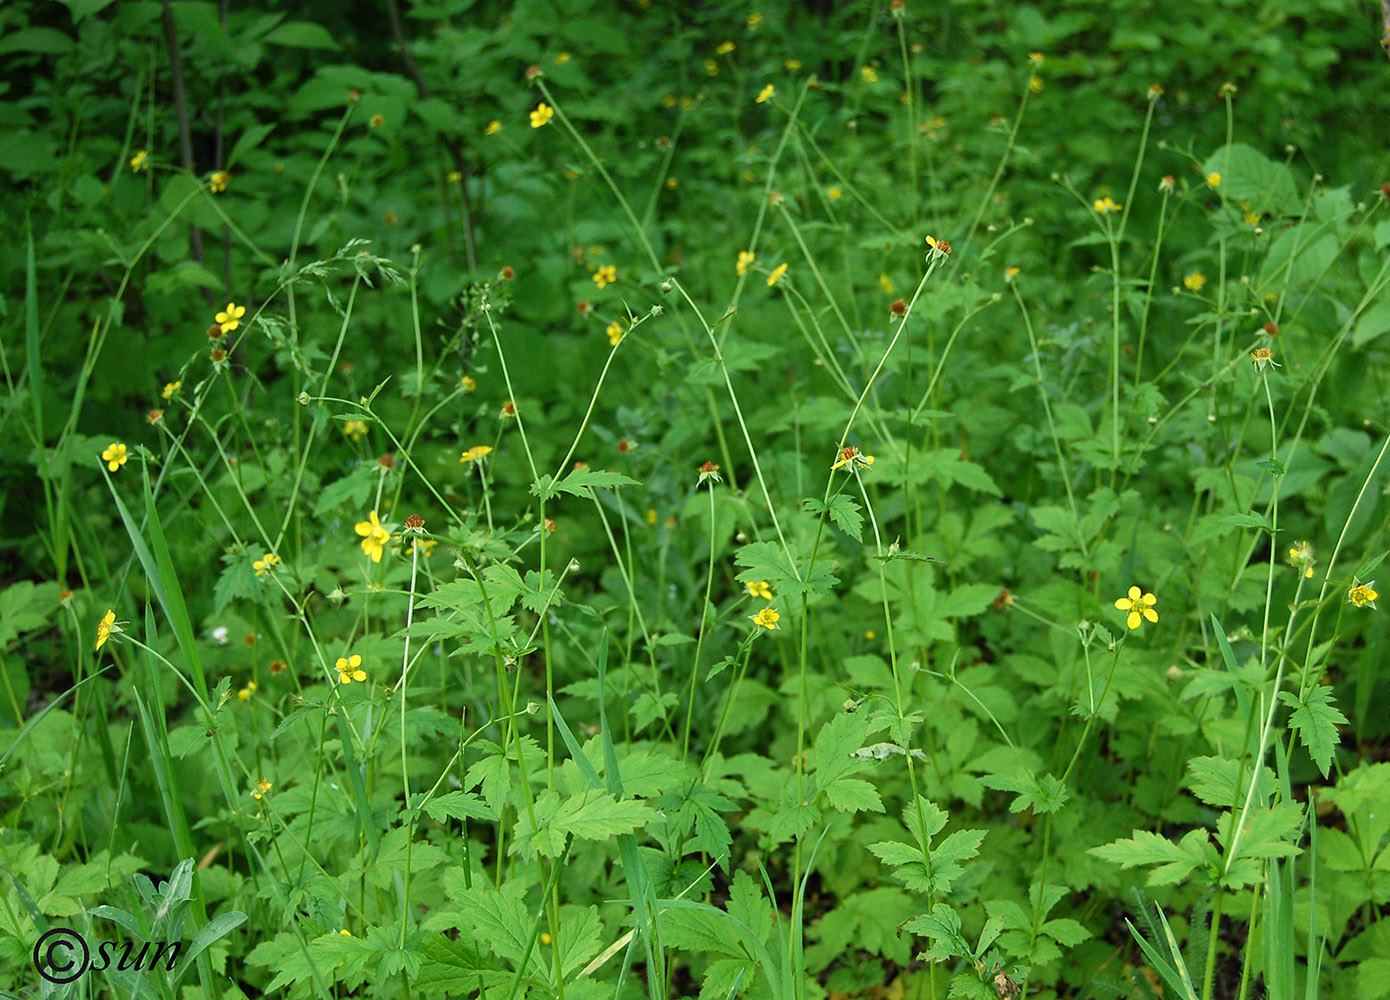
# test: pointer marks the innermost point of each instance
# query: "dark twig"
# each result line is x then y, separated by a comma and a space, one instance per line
195, 235
217, 153
451, 144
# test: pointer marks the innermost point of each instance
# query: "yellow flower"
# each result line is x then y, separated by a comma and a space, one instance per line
940, 246
1010, 273
245, 693
1036, 58
1104, 206
615, 333
355, 430
776, 274
1363, 595
767, 618
350, 670
229, 318
562, 58
885, 283
869, 74
834, 194
755, 19
724, 49
468, 383
765, 94
1214, 180
114, 456
140, 161
1035, 84
374, 536
266, 563
711, 67
476, 454
760, 589
494, 126
792, 65
651, 515
745, 261
543, 113
1140, 607
1302, 555
262, 786
1261, 357
217, 183
851, 456
606, 275
170, 388
424, 546
1194, 281
454, 176
105, 627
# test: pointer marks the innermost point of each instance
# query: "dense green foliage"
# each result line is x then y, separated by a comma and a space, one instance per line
549, 525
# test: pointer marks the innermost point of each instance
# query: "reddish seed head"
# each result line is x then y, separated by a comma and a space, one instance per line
898, 308
387, 461
155, 416
1272, 329
624, 446
532, 72
1385, 190
709, 467
775, 198
278, 666
508, 273
354, 96
414, 522
550, 525
584, 307
218, 355
581, 465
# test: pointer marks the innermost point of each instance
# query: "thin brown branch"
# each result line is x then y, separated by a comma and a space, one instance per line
452, 145
195, 235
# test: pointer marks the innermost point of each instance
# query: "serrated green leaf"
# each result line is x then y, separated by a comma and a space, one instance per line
459, 805
852, 795
1246, 521
579, 482
1316, 719
845, 515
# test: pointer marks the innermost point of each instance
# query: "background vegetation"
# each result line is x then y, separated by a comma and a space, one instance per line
434, 566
